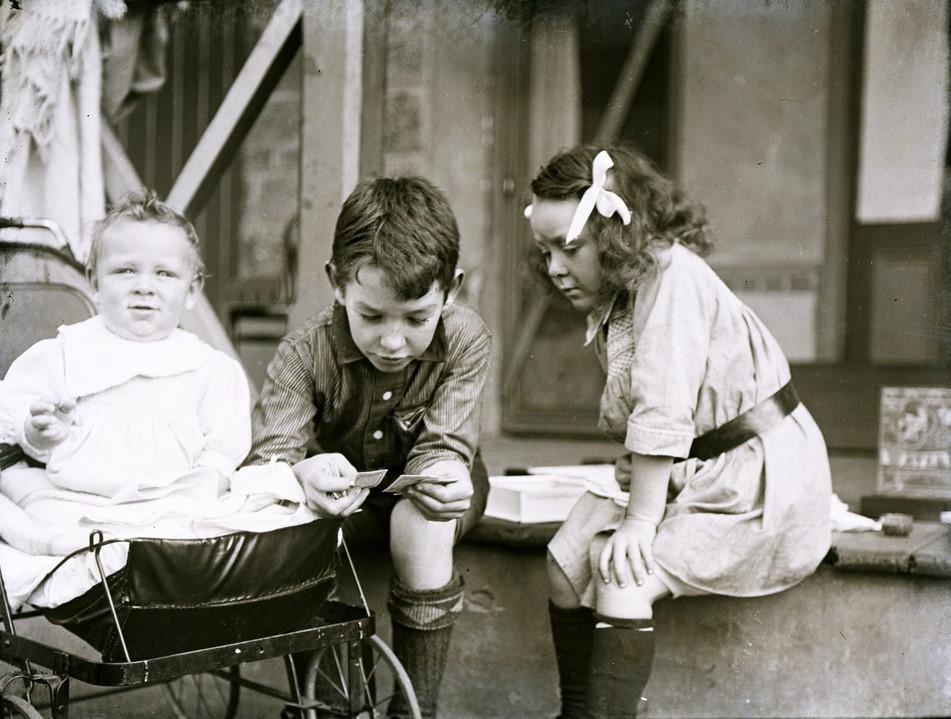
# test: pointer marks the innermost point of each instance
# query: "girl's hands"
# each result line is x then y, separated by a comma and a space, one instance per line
327, 480
49, 422
629, 550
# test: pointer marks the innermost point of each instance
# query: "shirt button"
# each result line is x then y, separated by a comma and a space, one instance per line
378, 434
387, 395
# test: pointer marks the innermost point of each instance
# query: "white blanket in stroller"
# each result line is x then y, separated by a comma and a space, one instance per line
40, 524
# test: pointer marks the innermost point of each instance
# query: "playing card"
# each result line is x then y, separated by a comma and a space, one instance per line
405, 481
368, 480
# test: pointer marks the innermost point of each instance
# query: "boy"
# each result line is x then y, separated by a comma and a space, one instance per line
390, 376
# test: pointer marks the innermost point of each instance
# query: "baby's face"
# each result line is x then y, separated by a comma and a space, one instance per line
389, 331
145, 279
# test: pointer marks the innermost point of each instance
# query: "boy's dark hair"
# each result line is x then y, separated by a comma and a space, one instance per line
403, 226
144, 206
660, 213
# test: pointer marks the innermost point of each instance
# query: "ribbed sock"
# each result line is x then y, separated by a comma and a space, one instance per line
572, 632
422, 627
622, 653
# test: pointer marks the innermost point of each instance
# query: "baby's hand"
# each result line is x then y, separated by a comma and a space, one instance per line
327, 480
49, 422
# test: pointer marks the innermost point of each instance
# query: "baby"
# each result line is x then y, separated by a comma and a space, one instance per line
126, 398
140, 424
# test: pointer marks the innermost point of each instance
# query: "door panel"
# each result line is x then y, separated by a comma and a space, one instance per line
756, 109
552, 383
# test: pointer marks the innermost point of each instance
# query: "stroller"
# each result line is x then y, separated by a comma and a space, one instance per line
185, 615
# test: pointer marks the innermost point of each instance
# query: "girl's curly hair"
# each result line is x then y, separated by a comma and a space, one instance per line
660, 213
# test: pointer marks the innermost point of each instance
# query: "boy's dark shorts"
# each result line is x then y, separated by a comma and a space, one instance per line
371, 525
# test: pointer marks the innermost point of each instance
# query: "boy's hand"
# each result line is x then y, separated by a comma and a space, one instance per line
327, 480
629, 549
49, 422
449, 498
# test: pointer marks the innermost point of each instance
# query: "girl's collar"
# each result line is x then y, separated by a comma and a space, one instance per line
597, 318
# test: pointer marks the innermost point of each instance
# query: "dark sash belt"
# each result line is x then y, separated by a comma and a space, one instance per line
754, 421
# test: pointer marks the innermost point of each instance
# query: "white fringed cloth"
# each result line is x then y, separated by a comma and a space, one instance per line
50, 156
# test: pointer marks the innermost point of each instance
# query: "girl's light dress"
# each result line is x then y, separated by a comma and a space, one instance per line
683, 355
162, 427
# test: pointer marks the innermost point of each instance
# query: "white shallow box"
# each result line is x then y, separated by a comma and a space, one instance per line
600, 474
533, 498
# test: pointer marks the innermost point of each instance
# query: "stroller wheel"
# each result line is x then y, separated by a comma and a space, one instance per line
357, 687
19, 708
211, 695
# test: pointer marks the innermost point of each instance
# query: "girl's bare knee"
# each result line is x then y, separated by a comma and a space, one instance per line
594, 552
562, 593
632, 602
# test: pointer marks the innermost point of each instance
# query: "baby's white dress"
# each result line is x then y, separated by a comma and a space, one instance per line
161, 429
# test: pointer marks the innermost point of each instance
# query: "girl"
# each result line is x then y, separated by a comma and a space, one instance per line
726, 476
140, 425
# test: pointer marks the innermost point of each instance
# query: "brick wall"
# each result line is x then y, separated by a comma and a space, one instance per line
268, 166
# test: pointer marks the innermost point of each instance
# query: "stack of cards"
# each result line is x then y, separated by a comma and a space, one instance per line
371, 479
368, 480
405, 481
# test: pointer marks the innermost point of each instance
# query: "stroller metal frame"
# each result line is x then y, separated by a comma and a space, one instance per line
350, 626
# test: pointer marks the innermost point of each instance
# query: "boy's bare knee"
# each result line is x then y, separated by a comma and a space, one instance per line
421, 549
405, 518
410, 528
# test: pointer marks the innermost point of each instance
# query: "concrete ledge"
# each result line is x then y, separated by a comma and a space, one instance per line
924, 552
841, 644
837, 645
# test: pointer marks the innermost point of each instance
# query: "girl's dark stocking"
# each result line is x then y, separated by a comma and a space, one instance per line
571, 632
622, 653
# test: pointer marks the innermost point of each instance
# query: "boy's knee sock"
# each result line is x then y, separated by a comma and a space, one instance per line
422, 625
572, 632
622, 653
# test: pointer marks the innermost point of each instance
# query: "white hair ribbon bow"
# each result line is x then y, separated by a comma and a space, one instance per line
607, 202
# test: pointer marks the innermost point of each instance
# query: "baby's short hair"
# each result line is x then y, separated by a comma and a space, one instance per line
144, 206
403, 226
